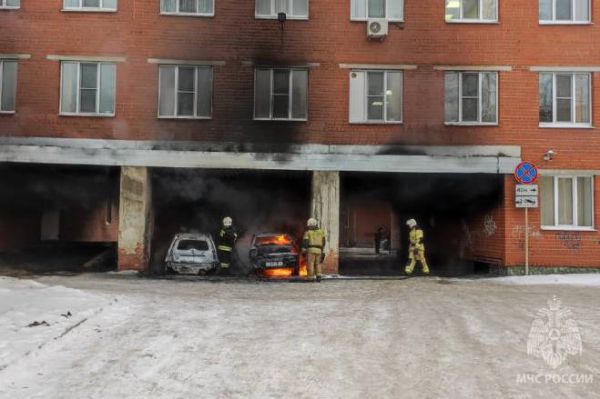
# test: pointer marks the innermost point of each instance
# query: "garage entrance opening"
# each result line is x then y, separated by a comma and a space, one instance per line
197, 200
444, 205
58, 218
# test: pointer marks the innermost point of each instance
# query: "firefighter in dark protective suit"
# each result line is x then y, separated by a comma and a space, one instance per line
313, 244
227, 238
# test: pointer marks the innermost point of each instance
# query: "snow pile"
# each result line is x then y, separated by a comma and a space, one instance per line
33, 314
589, 280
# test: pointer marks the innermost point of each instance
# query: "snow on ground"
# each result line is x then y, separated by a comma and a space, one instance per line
589, 280
33, 314
416, 338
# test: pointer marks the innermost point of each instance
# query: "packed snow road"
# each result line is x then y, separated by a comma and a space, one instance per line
122, 337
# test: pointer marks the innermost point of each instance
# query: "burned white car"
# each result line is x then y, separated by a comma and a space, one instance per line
192, 253
274, 252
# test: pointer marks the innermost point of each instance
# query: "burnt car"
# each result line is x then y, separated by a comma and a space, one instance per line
274, 251
191, 253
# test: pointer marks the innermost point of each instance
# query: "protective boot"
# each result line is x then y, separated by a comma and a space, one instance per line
410, 267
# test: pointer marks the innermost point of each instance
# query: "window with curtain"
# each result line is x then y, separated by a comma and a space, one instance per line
185, 91
471, 10
281, 94
294, 9
10, 4
187, 7
471, 98
567, 201
565, 99
87, 88
91, 5
375, 96
564, 11
361, 10
8, 86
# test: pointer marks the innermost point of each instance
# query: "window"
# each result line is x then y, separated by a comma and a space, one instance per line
471, 10
375, 97
8, 86
281, 94
187, 7
567, 201
90, 5
185, 91
87, 88
471, 98
564, 11
10, 4
565, 99
361, 10
294, 9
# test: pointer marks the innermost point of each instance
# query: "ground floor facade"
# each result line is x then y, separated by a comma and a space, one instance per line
134, 196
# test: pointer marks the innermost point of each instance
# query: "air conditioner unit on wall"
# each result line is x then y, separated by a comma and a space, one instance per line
377, 28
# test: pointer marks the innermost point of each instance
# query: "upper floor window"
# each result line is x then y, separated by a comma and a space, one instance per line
8, 86
471, 10
567, 202
294, 9
10, 4
185, 91
564, 11
471, 98
361, 10
90, 5
87, 88
565, 99
375, 97
281, 94
188, 7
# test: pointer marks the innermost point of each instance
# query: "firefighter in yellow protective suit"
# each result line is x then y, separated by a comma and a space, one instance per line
313, 244
416, 249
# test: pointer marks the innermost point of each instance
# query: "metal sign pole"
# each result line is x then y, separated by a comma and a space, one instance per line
526, 242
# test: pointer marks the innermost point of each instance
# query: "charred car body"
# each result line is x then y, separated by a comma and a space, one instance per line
192, 253
271, 251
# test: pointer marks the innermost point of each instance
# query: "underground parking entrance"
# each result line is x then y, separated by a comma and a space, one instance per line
192, 203
445, 205
57, 218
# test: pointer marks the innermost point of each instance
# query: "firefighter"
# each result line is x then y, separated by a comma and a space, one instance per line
226, 243
313, 244
416, 249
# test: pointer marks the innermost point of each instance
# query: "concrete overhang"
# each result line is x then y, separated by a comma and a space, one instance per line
185, 154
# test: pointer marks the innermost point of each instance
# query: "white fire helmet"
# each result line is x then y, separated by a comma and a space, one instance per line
227, 222
411, 223
312, 222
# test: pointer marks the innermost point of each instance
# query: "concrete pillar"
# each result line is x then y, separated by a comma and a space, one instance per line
394, 232
135, 218
325, 207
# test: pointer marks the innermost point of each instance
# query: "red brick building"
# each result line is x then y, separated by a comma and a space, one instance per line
424, 114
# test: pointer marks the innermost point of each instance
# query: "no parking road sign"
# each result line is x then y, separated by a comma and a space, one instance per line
526, 173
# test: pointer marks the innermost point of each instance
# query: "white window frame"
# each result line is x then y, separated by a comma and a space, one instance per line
572, 21
186, 14
574, 199
81, 8
96, 114
479, 121
176, 88
554, 123
479, 20
273, 14
352, 18
366, 98
4, 6
290, 95
2, 81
